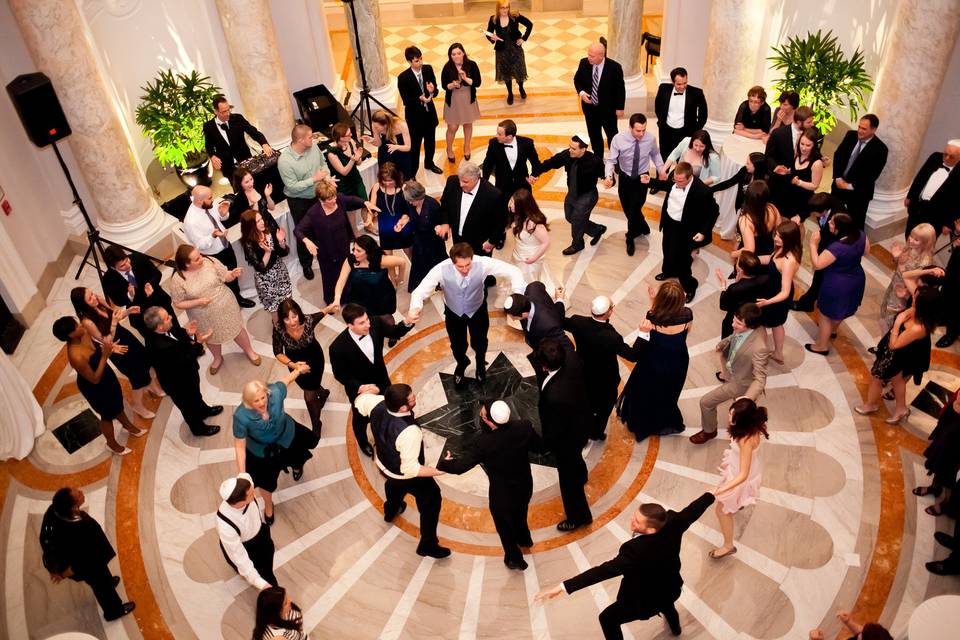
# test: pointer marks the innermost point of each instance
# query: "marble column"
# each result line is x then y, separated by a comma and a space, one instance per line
624, 32
248, 29
371, 46
123, 206
684, 39
731, 65
918, 40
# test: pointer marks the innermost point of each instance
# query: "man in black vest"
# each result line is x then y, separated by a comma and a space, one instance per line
75, 546
507, 158
173, 354
501, 449
356, 356
399, 454
243, 532
418, 87
134, 281
223, 137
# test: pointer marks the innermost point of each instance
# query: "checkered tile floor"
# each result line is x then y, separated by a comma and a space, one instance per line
553, 51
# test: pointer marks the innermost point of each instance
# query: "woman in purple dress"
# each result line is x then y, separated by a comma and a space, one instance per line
843, 277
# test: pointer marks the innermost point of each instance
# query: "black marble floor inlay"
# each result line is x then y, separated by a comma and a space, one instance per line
932, 398
459, 420
78, 431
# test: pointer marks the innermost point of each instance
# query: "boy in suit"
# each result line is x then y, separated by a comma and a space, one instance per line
681, 109
599, 83
418, 87
859, 160
223, 137
507, 157
134, 281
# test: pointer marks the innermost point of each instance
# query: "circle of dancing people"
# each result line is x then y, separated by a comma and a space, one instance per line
363, 240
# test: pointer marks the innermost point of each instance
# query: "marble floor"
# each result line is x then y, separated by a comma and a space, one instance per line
835, 527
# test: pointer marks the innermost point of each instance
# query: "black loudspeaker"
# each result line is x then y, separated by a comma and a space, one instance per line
320, 109
39, 109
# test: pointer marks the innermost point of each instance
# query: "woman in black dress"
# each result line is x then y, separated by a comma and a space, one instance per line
791, 192
783, 266
757, 221
264, 248
392, 137
344, 156
429, 232
95, 379
756, 168
649, 404
294, 342
942, 457
503, 30
365, 278
247, 197
102, 321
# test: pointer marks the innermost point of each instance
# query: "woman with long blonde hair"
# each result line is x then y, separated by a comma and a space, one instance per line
503, 31
392, 137
915, 254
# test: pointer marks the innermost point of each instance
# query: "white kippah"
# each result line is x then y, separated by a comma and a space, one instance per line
508, 303
228, 485
582, 137
500, 412
600, 305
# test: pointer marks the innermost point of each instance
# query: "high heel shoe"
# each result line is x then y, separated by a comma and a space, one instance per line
122, 452
899, 418
138, 434
144, 413
256, 362
864, 411
451, 159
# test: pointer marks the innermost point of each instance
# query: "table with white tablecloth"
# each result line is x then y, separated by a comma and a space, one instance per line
935, 619
733, 156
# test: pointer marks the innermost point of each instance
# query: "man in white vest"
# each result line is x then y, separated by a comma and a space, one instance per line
465, 301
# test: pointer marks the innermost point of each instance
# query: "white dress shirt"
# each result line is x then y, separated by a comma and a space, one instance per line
676, 108
408, 442
796, 133
364, 342
249, 524
510, 150
547, 379
199, 230
599, 70
481, 268
934, 182
466, 201
678, 197
223, 132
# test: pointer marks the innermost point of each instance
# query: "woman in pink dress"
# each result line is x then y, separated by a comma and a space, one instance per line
741, 470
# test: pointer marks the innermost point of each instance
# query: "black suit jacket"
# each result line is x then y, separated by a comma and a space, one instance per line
598, 345
943, 205
649, 564
694, 108
503, 453
509, 180
866, 168
351, 367
413, 111
700, 212
547, 317
564, 408
144, 271
611, 92
486, 219
590, 169
780, 148
79, 545
237, 149
174, 360
449, 73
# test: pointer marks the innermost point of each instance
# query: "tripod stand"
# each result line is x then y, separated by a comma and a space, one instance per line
363, 104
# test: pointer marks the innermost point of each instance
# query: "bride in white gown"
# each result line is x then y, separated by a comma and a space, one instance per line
531, 232
21, 419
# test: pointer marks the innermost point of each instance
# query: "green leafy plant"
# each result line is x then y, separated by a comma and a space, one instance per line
171, 113
817, 69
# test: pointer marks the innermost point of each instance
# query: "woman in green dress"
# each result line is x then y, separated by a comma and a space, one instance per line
344, 156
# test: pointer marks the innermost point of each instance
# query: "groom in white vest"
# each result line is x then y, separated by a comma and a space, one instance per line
465, 301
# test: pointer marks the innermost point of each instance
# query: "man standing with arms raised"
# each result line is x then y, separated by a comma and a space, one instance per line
301, 168
599, 83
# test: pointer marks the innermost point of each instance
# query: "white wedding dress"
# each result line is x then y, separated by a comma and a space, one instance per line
21, 418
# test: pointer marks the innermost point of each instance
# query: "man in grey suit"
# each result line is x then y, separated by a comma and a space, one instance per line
743, 363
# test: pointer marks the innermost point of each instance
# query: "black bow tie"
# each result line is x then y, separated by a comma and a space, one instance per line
947, 168
223, 125
361, 337
677, 94
508, 146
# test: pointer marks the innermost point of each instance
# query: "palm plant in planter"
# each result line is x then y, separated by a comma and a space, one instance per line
171, 113
817, 69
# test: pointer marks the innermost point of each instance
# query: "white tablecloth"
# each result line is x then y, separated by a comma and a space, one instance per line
733, 156
935, 619
21, 419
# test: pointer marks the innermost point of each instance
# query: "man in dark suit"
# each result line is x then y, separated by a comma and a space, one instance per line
752, 282
418, 87
686, 221
681, 109
173, 353
356, 356
541, 316
598, 345
564, 421
134, 281
507, 157
223, 137
859, 159
599, 83
951, 287
782, 143
823, 206
474, 210
584, 169
935, 190
502, 451
649, 564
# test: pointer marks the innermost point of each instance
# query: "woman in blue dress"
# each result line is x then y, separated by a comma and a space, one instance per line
392, 214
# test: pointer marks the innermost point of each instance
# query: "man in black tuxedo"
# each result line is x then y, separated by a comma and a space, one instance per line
781, 146
541, 316
173, 353
134, 281
474, 210
686, 221
860, 157
650, 565
507, 157
584, 169
823, 206
502, 450
356, 356
681, 109
223, 137
418, 87
564, 421
598, 345
599, 83
935, 190
752, 282
951, 288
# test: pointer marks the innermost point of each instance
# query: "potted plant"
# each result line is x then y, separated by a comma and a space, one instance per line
817, 69
171, 113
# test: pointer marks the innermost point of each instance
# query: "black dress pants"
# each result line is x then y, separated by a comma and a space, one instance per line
298, 209
186, 396
427, 135
229, 260
426, 491
509, 506
576, 210
602, 398
677, 261
101, 581
573, 475
669, 138
599, 120
260, 548
457, 329
633, 195
619, 613
951, 294
855, 203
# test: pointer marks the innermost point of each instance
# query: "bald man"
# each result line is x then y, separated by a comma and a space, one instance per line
935, 190
599, 83
301, 168
204, 230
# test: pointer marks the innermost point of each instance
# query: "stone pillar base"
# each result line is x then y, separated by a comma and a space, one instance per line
719, 131
636, 86
886, 215
386, 94
148, 230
